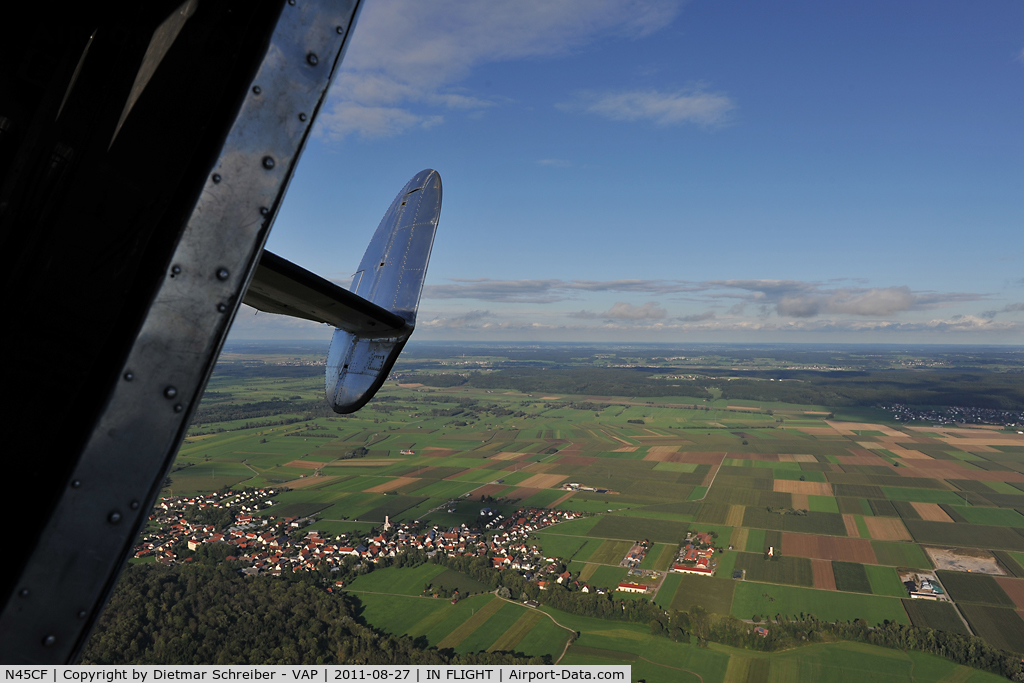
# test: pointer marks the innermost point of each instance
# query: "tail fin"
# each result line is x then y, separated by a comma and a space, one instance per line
390, 276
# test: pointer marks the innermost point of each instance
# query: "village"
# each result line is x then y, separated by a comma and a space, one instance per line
267, 544
271, 545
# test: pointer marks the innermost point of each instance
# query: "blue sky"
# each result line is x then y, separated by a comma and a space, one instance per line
681, 172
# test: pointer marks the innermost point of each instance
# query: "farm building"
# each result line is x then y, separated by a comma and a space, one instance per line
632, 587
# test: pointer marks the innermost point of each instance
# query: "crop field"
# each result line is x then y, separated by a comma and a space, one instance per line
757, 598
610, 552
632, 528
999, 626
785, 569
901, 555
851, 577
711, 593
822, 491
938, 615
828, 548
977, 588
885, 581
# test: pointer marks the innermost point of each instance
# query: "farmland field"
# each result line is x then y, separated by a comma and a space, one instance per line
816, 483
757, 598
940, 615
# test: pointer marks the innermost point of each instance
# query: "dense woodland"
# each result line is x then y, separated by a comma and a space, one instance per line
1004, 391
202, 614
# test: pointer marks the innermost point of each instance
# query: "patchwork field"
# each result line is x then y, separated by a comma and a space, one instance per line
844, 502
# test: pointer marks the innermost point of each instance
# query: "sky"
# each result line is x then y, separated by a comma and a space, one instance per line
673, 172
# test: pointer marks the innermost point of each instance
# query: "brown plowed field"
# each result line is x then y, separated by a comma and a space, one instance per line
931, 512
887, 529
1014, 588
829, 548
848, 427
508, 455
543, 481
811, 488
804, 457
396, 483
851, 526
799, 501
906, 453
626, 449
521, 493
823, 576
655, 452
558, 501
305, 464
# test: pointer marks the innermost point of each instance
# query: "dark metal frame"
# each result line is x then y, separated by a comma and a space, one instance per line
148, 318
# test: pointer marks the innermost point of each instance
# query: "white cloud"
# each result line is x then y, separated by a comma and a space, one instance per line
468, 319
558, 163
407, 53
625, 311
663, 108
786, 298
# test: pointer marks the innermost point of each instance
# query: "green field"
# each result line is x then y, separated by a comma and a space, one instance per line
885, 581
901, 554
978, 588
654, 474
940, 615
636, 529
1001, 627
852, 577
757, 598
780, 569
710, 592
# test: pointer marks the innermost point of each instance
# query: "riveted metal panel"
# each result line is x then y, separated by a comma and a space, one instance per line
89, 535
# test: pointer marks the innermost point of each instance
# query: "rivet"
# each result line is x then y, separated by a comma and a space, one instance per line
23, 592
216, 177
311, 58
257, 89
134, 505
339, 30
291, 2
114, 517
82, 614
221, 308
170, 392
268, 162
264, 211
75, 484
178, 408
48, 641
302, 117
176, 269
128, 376
222, 273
